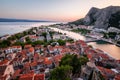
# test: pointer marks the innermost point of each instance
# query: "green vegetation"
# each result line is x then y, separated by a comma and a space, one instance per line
61, 42
19, 44
51, 33
109, 35
61, 73
82, 31
72, 61
18, 35
5, 43
44, 34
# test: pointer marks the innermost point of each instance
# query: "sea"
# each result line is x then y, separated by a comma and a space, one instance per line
16, 27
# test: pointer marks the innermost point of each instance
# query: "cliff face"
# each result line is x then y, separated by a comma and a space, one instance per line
101, 18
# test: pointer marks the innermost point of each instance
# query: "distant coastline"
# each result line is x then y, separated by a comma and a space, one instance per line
22, 20
16, 27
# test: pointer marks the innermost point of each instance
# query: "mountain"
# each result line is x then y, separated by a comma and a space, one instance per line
78, 22
103, 18
21, 20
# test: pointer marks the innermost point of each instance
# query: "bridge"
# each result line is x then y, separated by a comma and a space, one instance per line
93, 39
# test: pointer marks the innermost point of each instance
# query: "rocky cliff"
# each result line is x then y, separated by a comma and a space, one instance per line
103, 18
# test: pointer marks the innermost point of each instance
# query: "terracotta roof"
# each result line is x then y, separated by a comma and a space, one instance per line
28, 76
17, 73
117, 77
47, 61
27, 64
89, 56
4, 62
33, 63
105, 72
31, 49
39, 77
33, 36
28, 46
57, 57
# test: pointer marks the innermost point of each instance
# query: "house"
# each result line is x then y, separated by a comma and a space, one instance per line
56, 37
28, 76
39, 77
16, 74
16, 48
27, 46
41, 38
31, 50
4, 62
107, 73
117, 77
11, 56
8, 50
32, 76
48, 62
48, 37
22, 39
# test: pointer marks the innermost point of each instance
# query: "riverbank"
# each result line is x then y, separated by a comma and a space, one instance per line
111, 49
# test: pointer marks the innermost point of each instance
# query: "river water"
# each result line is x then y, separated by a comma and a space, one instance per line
112, 50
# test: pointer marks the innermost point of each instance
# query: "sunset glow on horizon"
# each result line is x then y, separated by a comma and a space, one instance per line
54, 10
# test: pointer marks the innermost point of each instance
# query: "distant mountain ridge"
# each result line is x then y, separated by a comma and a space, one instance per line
21, 20
102, 18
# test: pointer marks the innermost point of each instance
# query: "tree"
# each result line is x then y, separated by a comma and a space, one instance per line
74, 61
61, 42
83, 60
27, 39
5, 43
37, 43
44, 34
61, 73
19, 43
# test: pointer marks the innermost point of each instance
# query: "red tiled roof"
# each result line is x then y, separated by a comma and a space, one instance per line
17, 73
105, 71
33, 63
16, 46
89, 56
31, 49
105, 56
117, 77
4, 62
33, 36
28, 46
27, 65
28, 76
39, 77
47, 61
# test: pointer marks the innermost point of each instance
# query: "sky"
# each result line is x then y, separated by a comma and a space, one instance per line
55, 10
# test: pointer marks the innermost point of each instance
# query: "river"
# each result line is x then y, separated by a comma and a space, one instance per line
112, 50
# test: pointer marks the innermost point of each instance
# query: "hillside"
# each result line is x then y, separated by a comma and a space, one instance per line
102, 18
